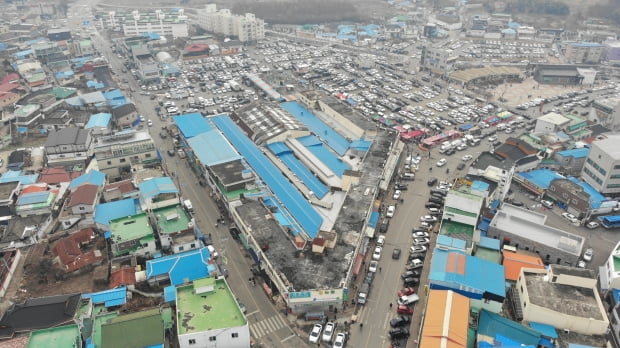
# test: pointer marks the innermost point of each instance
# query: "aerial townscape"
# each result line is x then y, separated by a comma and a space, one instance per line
317, 173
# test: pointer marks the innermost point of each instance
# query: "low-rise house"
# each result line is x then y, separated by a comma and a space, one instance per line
175, 228
223, 323
158, 193
179, 268
117, 154
132, 235
120, 190
148, 329
68, 147
78, 251
80, 206
100, 124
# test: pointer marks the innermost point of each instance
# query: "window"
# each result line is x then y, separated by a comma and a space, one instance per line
81, 208
147, 155
181, 248
193, 245
109, 162
613, 185
192, 341
122, 160
565, 195
235, 335
212, 338
524, 304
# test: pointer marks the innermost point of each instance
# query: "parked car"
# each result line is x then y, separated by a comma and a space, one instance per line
380, 240
374, 265
442, 162
417, 249
315, 333
390, 211
396, 253
404, 310
411, 281
432, 205
411, 273
340, 340
592, 225
402, 187
421, 241
376, 255
587, 255
417, 263
328, 333
398, 333
420, 234
405, 292
466, 158
431, 181
401, 320
581, 264
460, 166
396, 194
546, 204
570, 217
428, 218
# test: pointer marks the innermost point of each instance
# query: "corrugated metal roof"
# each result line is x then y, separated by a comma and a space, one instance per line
33, 198
446, 325
113, 210
212, 148
190, 125
182, 267
155, 186
112, 297
93, 177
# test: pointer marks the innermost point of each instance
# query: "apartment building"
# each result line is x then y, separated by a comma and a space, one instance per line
584, 52
606, 112
245, 27
135, 23
602, 167
117, 154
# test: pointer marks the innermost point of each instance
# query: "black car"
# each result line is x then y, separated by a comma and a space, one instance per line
414, 256
431, 181
449, 152
400, 332
396, 254
438, 196
460, 166
402, 187
432, 205
385, 224
435, 200
401, 320
411, 274
439, 192
411, 281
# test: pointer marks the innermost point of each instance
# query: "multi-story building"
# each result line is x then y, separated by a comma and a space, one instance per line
437, 58
132, 235
602, 167
117, 154
609, 273
172, 23
68, 147
223, 325
612, 54
584, 52
82, 47
148, 67
27, 115
607, 113
245, 27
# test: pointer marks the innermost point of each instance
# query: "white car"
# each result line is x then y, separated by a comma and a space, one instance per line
315, 333
420, 234
381, 240
587, 255
149, 123
570, 217
390, 211
328, 333
466, 158
376, 255
396, 194
374, 265
547, 204
442, 162
339, 341
428, 218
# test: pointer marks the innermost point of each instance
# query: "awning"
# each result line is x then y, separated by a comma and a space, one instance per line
358, 264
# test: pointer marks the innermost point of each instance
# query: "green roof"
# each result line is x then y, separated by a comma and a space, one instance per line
213, 310
461, 212
62, 92
130, 228
100, 320
67, 336
172, 219
141, 329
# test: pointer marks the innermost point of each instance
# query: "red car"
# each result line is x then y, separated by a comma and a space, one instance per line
405, 292
404, 310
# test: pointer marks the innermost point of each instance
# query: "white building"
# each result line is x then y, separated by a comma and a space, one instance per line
246, 27
223, 325
609, 273
607, 113
173, 23
550, 123
563, 297
602, 167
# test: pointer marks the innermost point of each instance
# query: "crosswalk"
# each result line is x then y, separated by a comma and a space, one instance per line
266, 326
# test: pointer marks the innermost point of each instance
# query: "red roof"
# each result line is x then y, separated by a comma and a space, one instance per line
9, 87
9, 77
124, 276
84, 194
124, 186
196, 47
56, 175
34, 188
68, 250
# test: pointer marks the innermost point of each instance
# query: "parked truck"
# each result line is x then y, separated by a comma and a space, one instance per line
407, 300
234, 85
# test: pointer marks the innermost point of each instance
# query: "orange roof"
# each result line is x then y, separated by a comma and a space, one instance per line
124, 276
513, 262
34, 188
446, 324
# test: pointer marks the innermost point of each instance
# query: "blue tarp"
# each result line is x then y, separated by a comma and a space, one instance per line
314, 145
299, 207
307, 177
329, 136
374, 218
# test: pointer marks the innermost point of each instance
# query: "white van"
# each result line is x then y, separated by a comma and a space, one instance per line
188, 205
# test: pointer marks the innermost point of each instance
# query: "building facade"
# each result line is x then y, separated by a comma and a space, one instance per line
246, 28
68, 147
118, 153
602, 167
584, 52
607, 113
170, 23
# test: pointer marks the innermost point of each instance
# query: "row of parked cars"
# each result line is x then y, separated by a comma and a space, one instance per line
327, 334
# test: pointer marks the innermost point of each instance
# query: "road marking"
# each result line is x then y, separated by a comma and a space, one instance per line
266, 326
256, 311
288, 338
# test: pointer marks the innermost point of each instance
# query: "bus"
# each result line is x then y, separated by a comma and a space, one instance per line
610, 221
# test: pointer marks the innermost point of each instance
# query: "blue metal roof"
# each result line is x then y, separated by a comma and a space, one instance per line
190, 125
540, 177
479, 276
373, 219
155, 186
332, 138
576, 153
453, 243
544, 329
361, 145
212, 148
596, 198
494, 326
93, 177
105, 212
316, 147
479, 186
14, 176
99, 120
616, 295
288, 158
187, 266
489, 243
110, 298
114, 94
272, 93
299, 207
170, 294
33, 198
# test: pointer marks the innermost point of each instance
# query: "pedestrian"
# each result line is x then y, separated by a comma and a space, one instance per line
390, 305
379, 269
